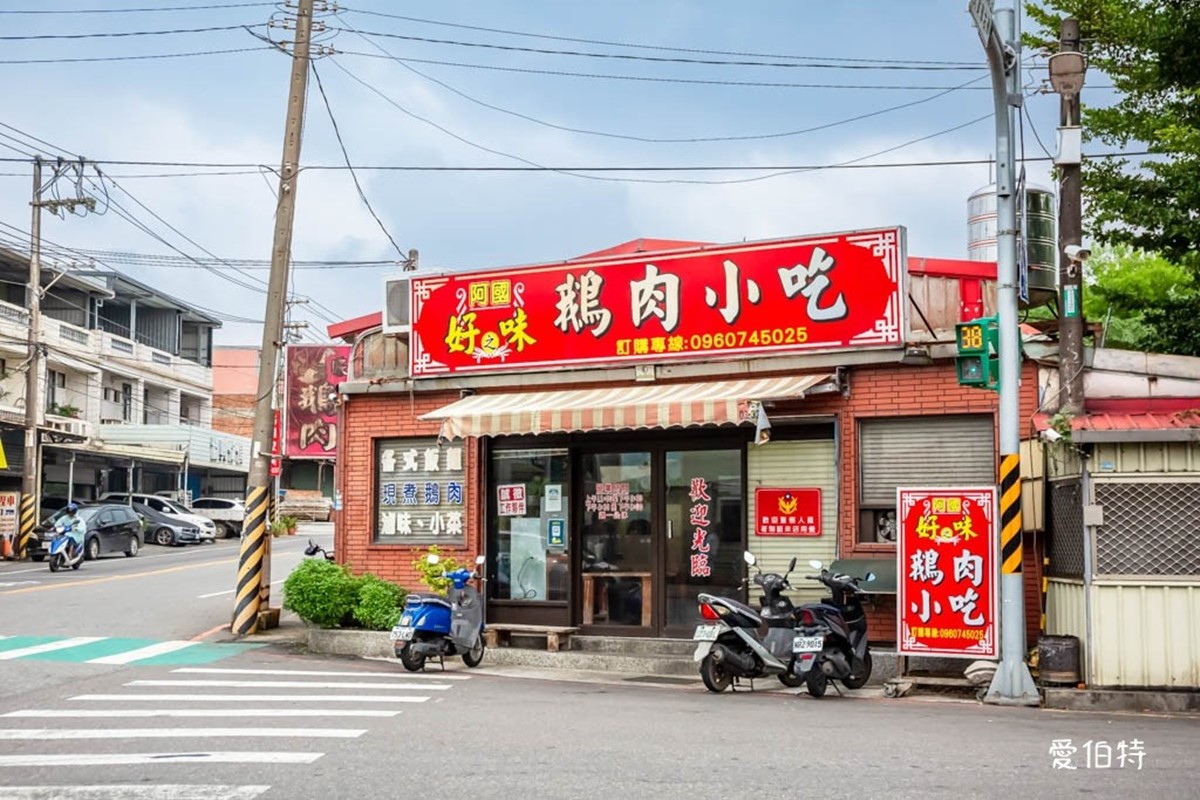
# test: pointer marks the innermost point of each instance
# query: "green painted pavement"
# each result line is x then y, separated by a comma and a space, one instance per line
197, 653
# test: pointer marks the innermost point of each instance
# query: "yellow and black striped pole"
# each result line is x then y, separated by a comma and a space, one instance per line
247, 598
28, 520
1010, 515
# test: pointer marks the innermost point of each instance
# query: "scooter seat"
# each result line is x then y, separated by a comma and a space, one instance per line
418, 598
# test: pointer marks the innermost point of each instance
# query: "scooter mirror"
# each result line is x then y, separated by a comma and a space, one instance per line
479, 560
870, 576
432, 558
792, 564
815, 564
749, 558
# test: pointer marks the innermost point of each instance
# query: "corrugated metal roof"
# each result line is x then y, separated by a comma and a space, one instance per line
1116, 425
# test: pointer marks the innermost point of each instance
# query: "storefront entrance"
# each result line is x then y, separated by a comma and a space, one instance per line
659, 526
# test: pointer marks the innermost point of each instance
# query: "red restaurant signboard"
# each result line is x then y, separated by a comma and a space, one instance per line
312, 375
947, 572
815, 293
787, 512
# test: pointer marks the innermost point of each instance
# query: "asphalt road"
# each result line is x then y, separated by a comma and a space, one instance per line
103, 694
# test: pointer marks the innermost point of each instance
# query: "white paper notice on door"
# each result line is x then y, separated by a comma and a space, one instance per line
527, 565
553, 498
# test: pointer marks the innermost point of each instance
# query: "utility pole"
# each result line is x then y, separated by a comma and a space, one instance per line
252, 594
1012, 685
31, 480
1066, 76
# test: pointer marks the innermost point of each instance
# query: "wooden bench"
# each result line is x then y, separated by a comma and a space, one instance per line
497, 634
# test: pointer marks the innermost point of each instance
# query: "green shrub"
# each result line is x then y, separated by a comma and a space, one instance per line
320, 592
431, 574
379, 603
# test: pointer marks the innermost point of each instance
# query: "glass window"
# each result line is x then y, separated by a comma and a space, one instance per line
420, 492
528, 523
618, 542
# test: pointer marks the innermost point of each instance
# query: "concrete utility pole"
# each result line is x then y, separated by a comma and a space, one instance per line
1066, 76
251, 596
31, 479
1012, 685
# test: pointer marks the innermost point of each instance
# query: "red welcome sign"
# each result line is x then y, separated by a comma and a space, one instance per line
794, 295
787, 512
947, 572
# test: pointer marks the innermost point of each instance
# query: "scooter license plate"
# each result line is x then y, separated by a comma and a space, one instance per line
706, 633
808, 644
399, 634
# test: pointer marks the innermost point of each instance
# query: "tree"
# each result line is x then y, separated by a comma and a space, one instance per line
1147, 49
1145, 301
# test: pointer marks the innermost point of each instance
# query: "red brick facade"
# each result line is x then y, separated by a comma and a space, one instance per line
874, 391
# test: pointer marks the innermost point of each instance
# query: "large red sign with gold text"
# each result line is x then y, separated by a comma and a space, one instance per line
947, 572
814, 293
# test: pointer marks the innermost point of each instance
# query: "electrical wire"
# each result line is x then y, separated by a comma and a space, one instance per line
122, 34
143, 10
150, 57
663, 140
353, 175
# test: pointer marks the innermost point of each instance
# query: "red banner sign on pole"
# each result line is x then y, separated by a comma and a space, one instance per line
947, 572
787, 512
312, 375
818, 293
276, 466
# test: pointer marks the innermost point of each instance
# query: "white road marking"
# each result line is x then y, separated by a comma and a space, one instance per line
115, 759
10, 584
231, 591
316, 673
434, 687
149, 651
61, 644
143, 713
55, 734
135, 791
255, 698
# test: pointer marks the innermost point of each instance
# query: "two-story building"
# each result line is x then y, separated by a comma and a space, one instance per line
126, 378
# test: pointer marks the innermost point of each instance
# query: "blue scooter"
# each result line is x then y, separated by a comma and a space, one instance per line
436, 626
63, 551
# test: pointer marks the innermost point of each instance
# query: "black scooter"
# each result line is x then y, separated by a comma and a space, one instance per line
831, 637
730, 647
314, 548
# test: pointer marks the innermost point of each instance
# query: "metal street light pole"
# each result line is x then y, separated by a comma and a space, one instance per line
1012, 685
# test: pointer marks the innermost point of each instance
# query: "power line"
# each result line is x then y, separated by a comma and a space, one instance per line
342, 146
124, 34
664, 140
807, 64
132, 58
642, 45
134, 10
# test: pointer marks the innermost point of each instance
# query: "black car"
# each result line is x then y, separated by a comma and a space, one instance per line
110, 528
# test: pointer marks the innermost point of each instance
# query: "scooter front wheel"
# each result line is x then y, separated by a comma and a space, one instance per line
56, 563
474, 657
413, 662
859, 678
715, 678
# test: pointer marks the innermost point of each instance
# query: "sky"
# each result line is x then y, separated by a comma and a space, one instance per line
464, 90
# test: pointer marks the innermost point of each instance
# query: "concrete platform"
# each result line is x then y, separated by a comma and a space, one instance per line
1136, 701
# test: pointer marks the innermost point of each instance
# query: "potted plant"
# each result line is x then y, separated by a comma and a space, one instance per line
278, 528
289, 523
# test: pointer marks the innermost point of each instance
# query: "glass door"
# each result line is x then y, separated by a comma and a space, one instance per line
617, 545
704, 513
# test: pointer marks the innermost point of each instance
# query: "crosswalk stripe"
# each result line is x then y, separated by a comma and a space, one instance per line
135, 791
46, 647
254, 698
51, 734
157, 649
317, 673
115, 759
216, 684
143, 713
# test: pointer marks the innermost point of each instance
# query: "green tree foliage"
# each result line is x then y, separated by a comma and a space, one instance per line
431, 574
1148, 50
379, 603
1145, 301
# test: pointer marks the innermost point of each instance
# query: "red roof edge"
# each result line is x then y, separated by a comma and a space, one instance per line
952, 268
1142, 405
352, 327
641, 246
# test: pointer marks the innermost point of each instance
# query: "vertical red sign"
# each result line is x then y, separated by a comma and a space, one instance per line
698, 518
312, 375
947, 572
276, 465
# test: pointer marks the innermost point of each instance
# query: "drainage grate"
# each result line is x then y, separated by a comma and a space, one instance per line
659, 679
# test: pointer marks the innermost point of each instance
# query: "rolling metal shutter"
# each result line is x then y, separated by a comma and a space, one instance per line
923, 451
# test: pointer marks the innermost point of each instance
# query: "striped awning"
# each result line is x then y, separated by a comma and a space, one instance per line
623, 408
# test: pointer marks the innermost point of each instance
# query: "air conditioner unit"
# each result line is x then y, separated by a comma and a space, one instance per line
75, 427
397, 305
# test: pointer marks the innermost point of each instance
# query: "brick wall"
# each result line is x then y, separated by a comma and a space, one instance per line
234, 413
366, 418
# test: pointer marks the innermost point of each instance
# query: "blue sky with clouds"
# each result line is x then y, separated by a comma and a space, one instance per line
230, 108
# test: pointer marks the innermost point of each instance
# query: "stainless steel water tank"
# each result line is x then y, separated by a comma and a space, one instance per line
1041, 228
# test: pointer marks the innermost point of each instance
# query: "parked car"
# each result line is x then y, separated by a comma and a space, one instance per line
229, 515
208, 530
166, 529
109, 528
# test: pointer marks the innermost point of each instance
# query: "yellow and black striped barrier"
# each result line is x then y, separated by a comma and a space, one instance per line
1010, 514
28, 520
247, 600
